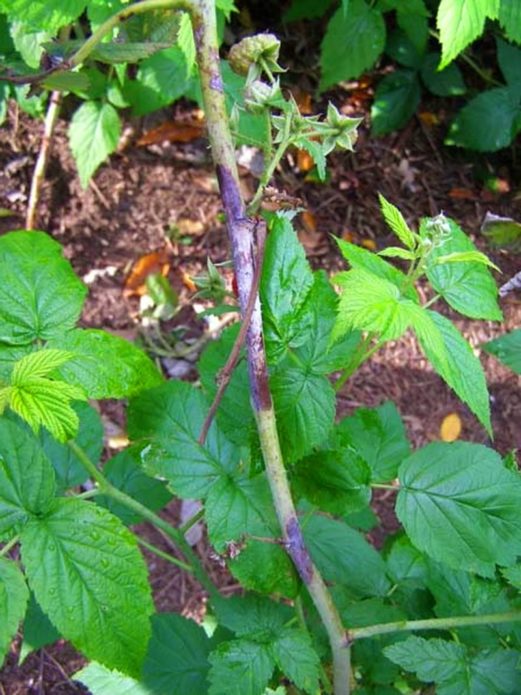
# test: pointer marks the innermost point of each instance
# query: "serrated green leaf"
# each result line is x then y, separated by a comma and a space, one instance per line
377, 435
458, 504
125, 472
38, 364
93, 135
513, 575
100, 10
265, 567
125, 52
14, 595
403, 50
305, 9
172, 415
87, 574
459, 23
177, 656
38, 630
360, 258
251, 129
67, 466
370, 303
305, 410
412, 18
335, 481
104, 681
240, 667
252, 615
396, 99
185, 41
395, 220
285, 284
509, 59
238, 506
465, 256
296, 658
397, 252
344, 556
235, 415
105, 365
507, 349
26, 478
405, 563
40, 296
28, 43
467, 286
432, 660
488, 122
353, 42
48, 15
444, 83
315, 150
510, 19
452, 357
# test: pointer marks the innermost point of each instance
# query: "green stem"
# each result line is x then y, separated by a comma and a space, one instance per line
432, 301
434, 624
267, 175
161, 553
360, 356
10, 544
174, 534
382, 486
192, 521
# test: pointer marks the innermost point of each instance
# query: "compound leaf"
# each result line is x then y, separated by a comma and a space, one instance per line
26, 478
458, 504
105, 365
353, 42
93, 135
507, 349
14, 595
87, 574
40, 296
452, 357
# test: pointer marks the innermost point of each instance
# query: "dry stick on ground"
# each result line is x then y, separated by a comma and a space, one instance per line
226, 372
43, 158
240, 231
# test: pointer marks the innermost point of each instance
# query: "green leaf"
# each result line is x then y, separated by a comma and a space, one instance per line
454, 670
353, 42
68, 468
102, 681
403, 50
236, 506
305, 410
177, 656
452, 357
316, 318
397, 223
412, 18
296, 658
510, 19
488, 122
125, 52
105, 365
285, 284
507, 349
344, 556
26, 478
253, 616
29, 43
38, 364
89, 577
509, 59
458, 504
40, 296
13, 600
467, 286
235, 415
48, 15
335, 481
466, 256
370, 303
377, 435
240, 667
305, 9
93, 135
160, 80
443, 83
397, 252
38, 630
265, 567
459, 23
396, 99
251, 129
172, 415
100, 10
360, 258
316, 151
125, 472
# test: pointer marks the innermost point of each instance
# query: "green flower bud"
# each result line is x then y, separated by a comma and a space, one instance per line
258, 95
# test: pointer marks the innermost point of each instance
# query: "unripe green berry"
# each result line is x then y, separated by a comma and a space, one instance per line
249, 51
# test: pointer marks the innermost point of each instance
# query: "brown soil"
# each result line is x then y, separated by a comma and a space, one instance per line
142, 192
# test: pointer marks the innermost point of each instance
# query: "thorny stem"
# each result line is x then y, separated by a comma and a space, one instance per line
434, 624
240, 230
173, 533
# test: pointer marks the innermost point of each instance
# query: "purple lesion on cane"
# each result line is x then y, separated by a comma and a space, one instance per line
298, 551
216, 82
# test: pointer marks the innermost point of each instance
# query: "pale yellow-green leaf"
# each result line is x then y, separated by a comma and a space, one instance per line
38, 364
